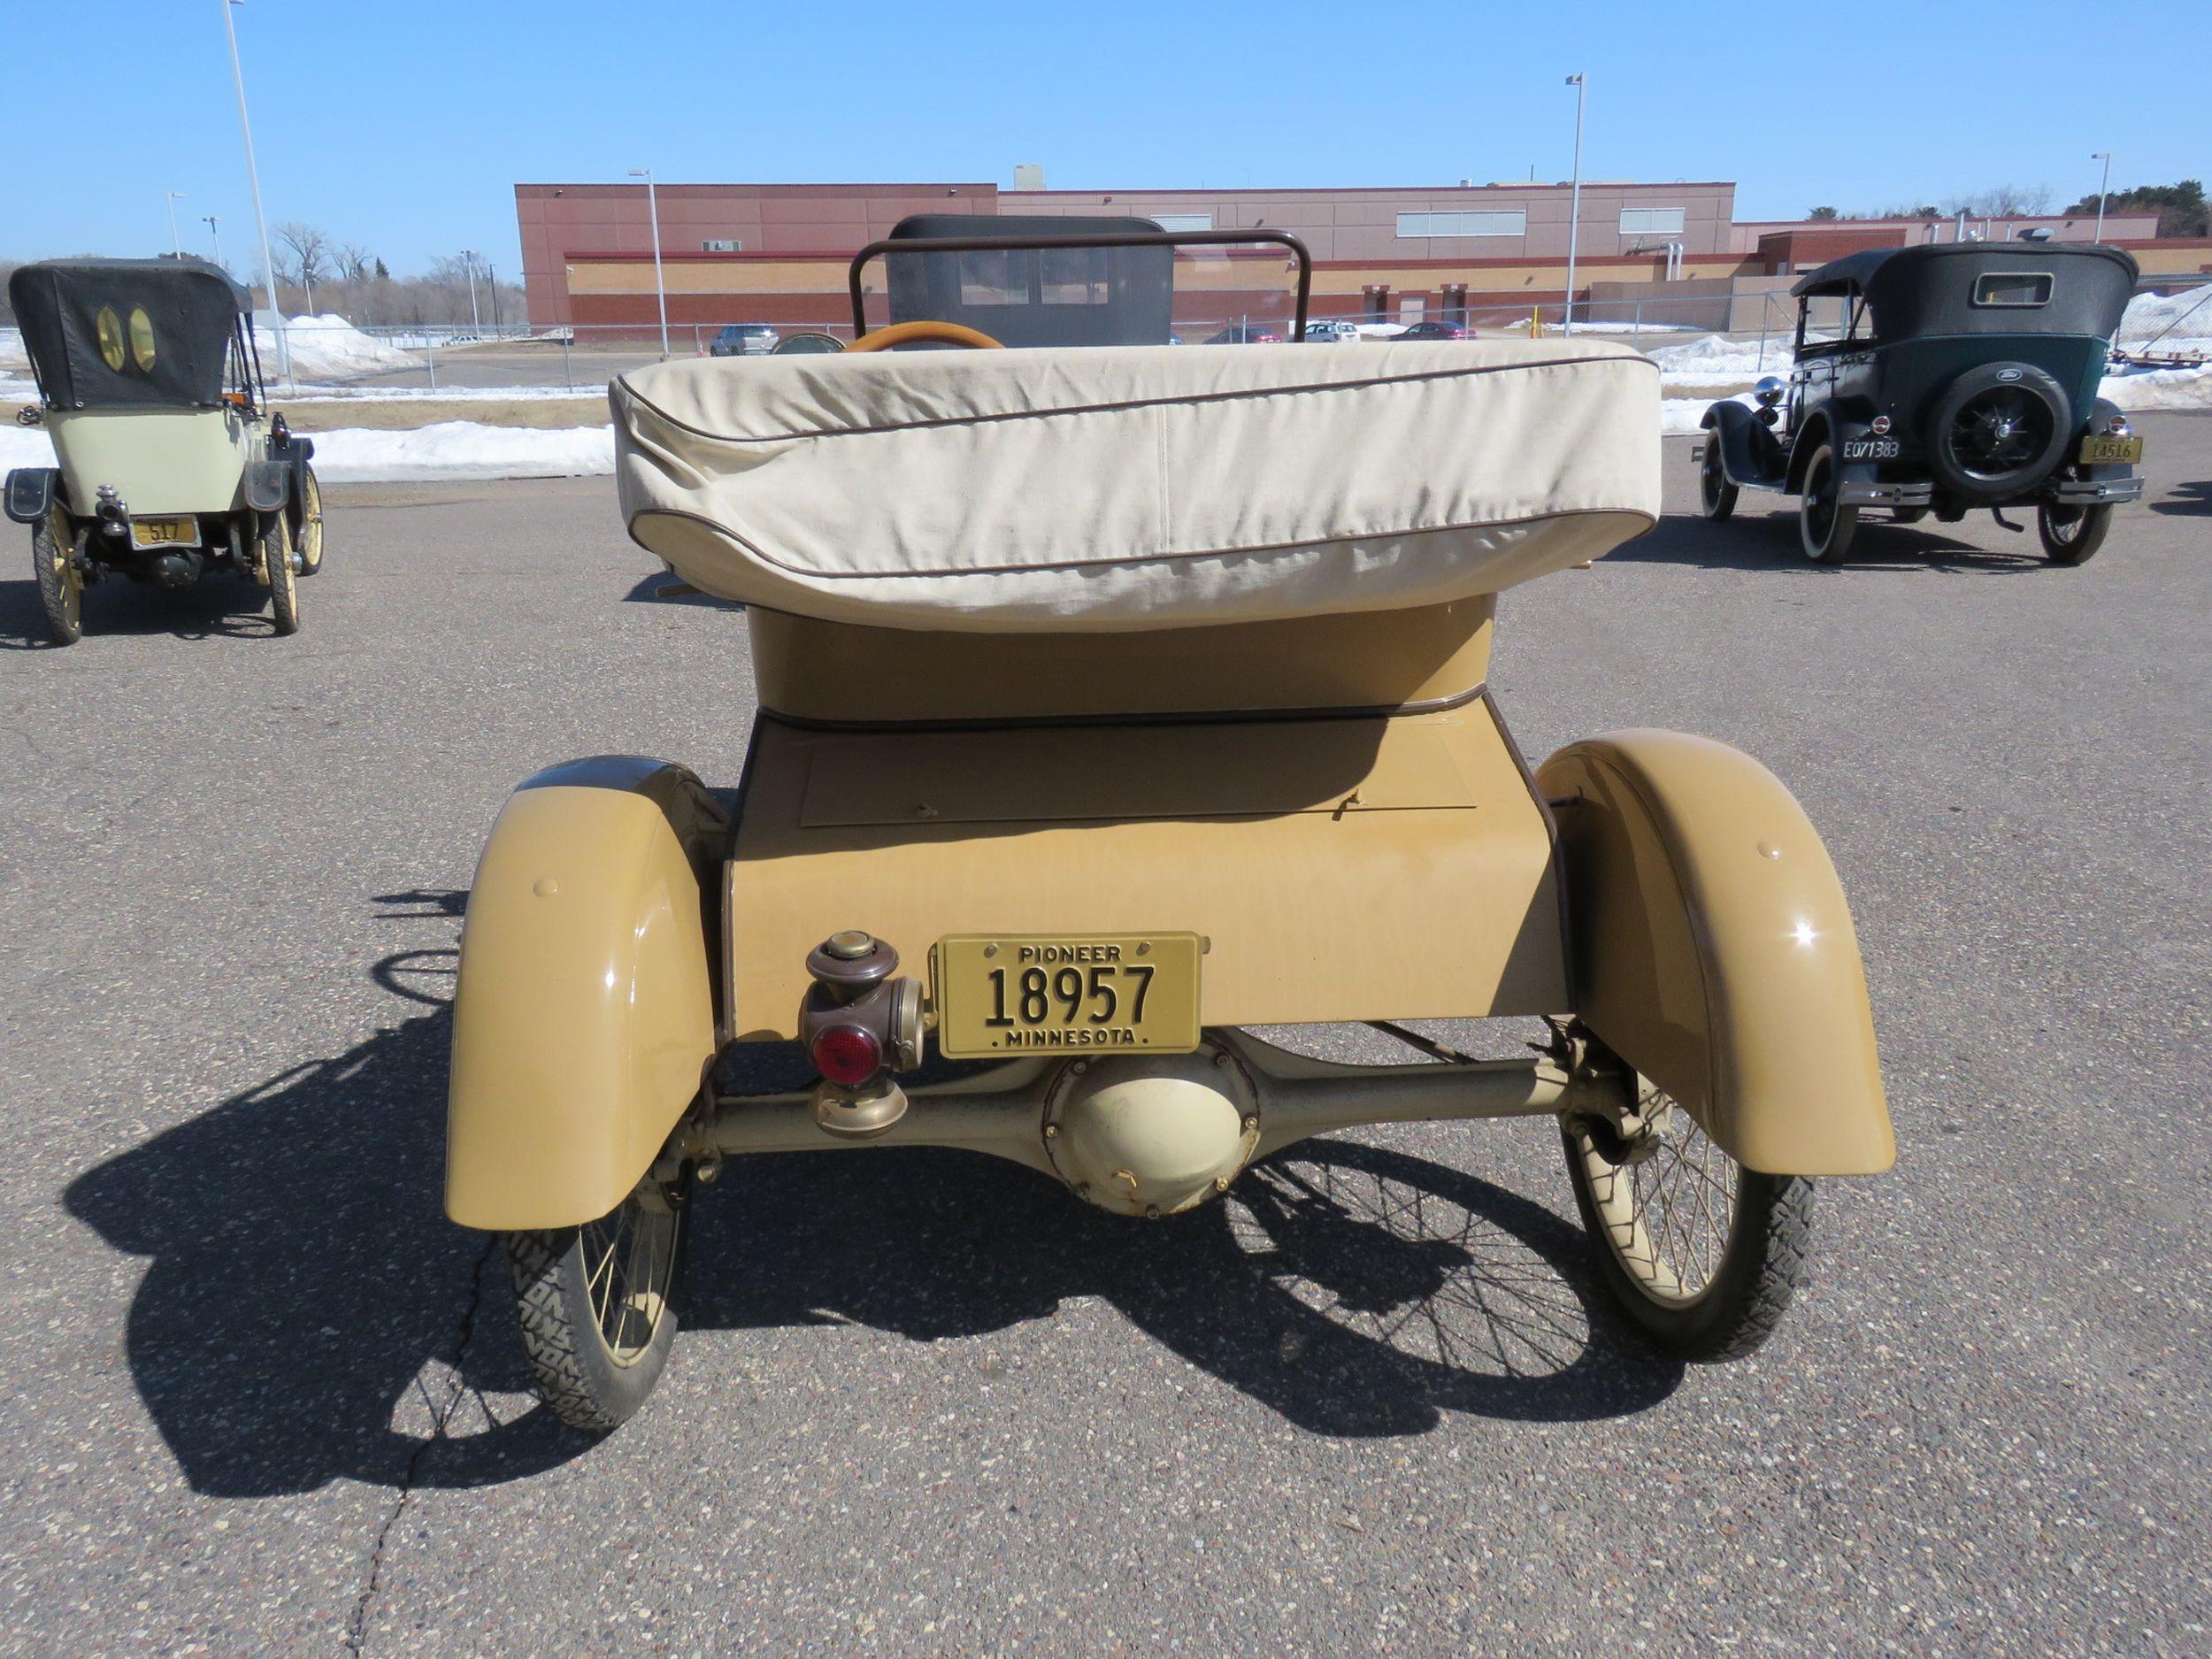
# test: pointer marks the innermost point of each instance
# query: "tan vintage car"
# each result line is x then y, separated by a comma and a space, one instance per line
1116, 699
170, 463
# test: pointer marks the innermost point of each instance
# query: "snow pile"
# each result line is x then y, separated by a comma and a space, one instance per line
13, 359
454, 448
1716, 360
313, 392
463, 449
2167, 324
2160, 388
329, 348
1681, 415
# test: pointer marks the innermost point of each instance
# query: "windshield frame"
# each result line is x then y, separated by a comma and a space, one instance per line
1090, 239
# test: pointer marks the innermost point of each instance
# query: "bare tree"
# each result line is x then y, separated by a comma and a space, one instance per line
309, 249
2003, 201
354, 262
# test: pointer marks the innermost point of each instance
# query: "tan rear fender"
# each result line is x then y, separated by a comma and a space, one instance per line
1712, 948
584, 1025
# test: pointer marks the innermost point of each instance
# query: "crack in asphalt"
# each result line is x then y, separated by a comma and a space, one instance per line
357, 1624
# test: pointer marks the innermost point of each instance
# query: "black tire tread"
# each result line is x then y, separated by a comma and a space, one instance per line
2097, 524
1767, 1259
548, 1337
1721, 506
1783, 1251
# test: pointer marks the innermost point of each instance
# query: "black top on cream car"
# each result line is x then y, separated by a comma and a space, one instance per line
169, 463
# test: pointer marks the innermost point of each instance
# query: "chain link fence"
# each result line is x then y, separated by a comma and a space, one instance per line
1749, 334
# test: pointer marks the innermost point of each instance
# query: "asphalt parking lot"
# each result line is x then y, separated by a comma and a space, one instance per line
262, 1399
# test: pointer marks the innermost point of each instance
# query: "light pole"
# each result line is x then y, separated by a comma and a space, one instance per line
213, 236
660, 283
468, 259
176, 242
253, 176
2104, 186
1574, 209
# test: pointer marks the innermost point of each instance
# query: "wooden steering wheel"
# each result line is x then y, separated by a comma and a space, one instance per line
906, 333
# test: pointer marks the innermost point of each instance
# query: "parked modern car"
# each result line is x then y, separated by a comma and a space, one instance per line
1247, 333
1965, 376
744, 340
1432, 330
1332, 331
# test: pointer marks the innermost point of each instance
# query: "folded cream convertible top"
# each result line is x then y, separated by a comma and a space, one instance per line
1136, 486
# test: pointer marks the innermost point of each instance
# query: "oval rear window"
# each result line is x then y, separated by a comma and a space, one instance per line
109, 329
142, 340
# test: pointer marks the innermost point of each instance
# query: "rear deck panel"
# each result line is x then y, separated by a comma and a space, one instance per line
1342, 869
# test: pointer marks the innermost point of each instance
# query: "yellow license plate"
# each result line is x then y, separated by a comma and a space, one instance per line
2103, 449
1008, 994
164, 531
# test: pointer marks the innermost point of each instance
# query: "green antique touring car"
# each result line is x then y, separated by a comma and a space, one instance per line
1964, 376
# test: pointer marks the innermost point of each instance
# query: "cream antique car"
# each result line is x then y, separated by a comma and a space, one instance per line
170, 463
1114, 700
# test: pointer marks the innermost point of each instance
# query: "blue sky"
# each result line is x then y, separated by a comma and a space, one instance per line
403, 125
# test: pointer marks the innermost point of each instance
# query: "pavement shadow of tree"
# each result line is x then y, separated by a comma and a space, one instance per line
2194, 497
1355, 1290
307, 1312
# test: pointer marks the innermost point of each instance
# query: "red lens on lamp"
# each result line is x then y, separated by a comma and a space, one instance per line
846, 1054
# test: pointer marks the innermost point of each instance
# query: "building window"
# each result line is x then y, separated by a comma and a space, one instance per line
1184, 221
1503, 222
721, 244
1651, 221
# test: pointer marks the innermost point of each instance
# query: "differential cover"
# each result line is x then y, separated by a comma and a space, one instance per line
1149, 1137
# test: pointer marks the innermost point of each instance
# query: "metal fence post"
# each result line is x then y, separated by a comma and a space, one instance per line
430, 353
568, 373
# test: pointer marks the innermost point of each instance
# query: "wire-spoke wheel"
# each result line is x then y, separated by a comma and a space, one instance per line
596, 1305
1702, 1253
2071, 534
1824, 524
60, 586
1716, 495
278, 570
308, 535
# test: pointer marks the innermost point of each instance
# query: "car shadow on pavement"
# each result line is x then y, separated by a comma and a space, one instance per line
1769, 541
666, 587
1355, 1290
307, 1313
217, 605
